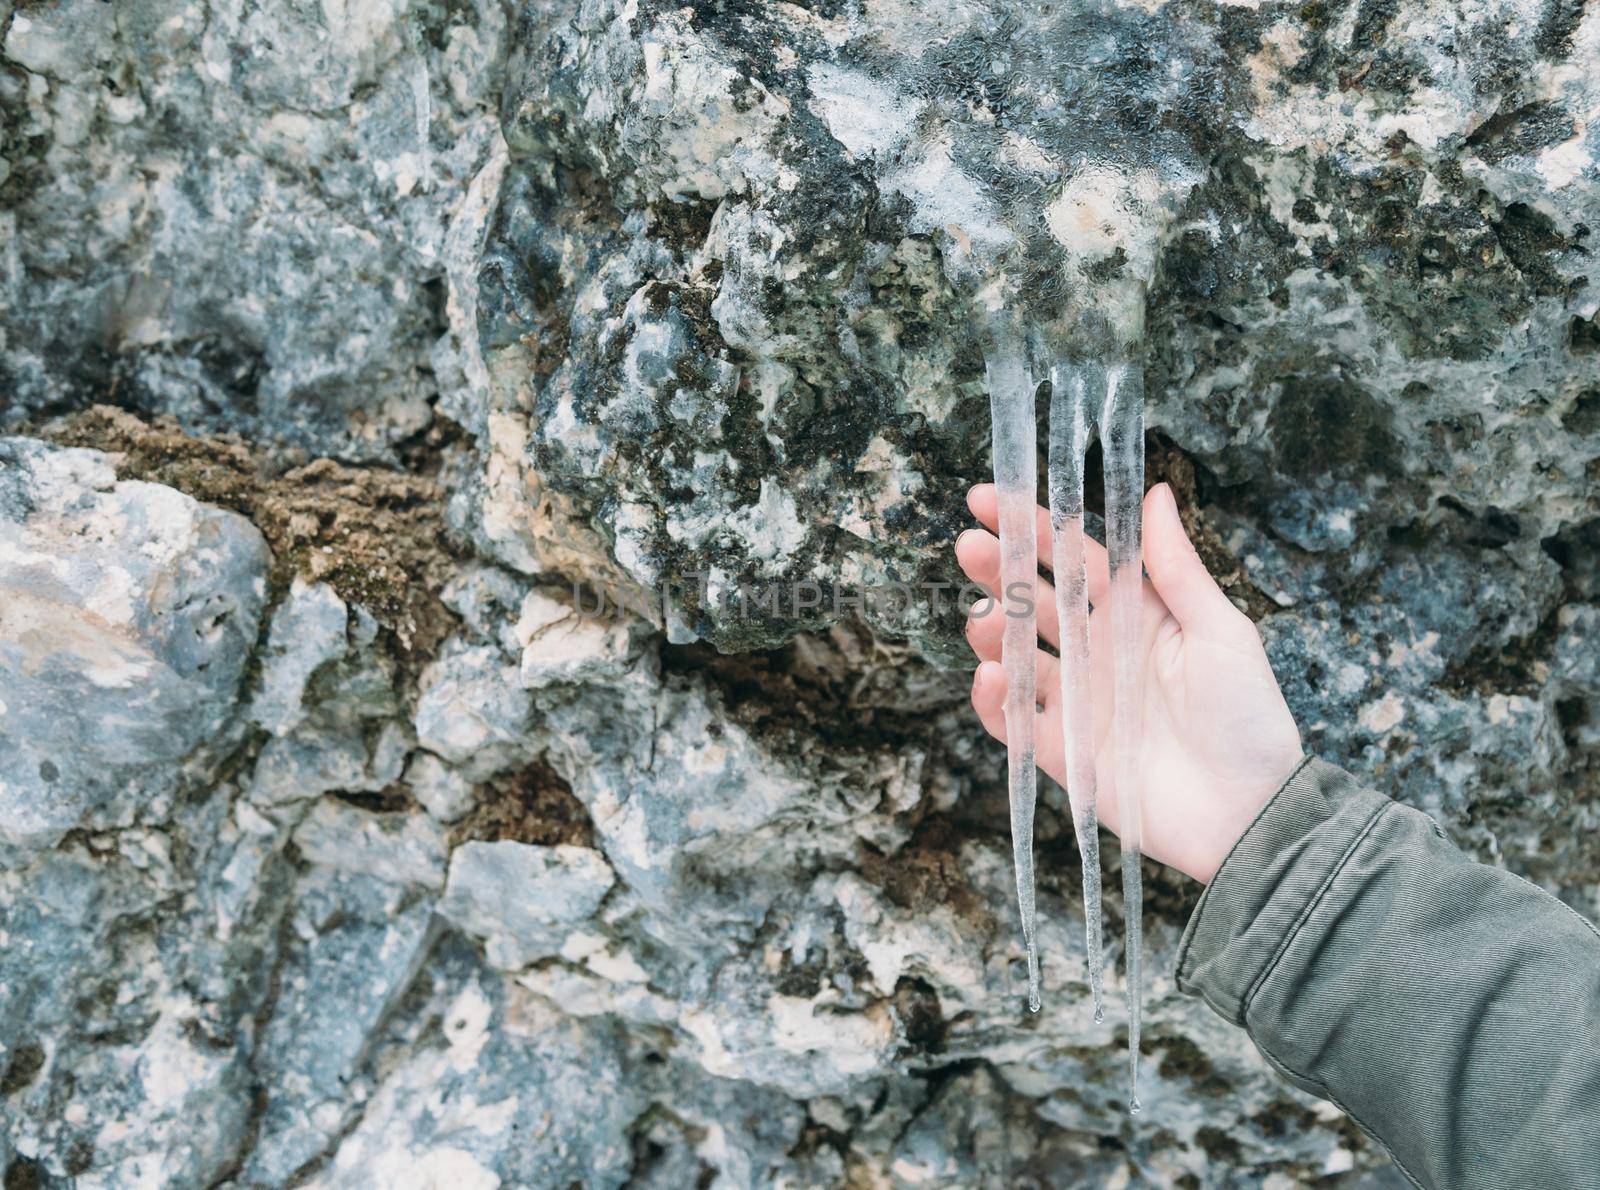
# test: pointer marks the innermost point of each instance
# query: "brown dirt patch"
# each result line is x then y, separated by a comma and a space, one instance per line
533, 805
927, 871
375, 536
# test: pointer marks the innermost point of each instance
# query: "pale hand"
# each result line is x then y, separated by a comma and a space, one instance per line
1218, 737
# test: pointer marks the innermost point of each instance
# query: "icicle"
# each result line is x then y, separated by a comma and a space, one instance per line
1122, 437
1075, 391
1011, 410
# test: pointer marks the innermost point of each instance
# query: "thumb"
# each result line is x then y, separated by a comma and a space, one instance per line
1176, 571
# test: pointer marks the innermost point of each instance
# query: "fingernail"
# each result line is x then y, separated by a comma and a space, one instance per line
963, 534
1166, 495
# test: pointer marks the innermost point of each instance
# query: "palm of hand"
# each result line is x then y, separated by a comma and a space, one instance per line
1218, 738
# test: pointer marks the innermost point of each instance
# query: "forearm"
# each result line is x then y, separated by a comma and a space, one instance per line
1451, 1009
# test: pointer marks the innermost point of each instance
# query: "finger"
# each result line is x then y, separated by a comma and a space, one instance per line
1046, 673
989, 698
978, 552
984, 634
1176, 571
985, 630
986, 507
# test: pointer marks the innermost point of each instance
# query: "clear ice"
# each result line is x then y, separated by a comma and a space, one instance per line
1122, 444
1075, 390
1086, 395
1049, 209
1011, 389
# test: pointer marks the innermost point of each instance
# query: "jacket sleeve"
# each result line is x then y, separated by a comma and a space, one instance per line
1451, 1009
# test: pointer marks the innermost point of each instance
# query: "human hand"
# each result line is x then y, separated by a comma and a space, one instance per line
1218, 737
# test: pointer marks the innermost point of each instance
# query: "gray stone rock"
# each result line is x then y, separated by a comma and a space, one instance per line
128, 612
123, 1063
328, 697
353, 942
442, 791
563, 645
523, 901
393, 848
322, 154
672, 304
314, 761
308, 631
488, 600
1336, 272
471, 711
510, 1092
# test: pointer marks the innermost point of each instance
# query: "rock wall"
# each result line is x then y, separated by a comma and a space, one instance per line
354, 353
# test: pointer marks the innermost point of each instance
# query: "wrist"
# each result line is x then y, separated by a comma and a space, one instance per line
1239, 813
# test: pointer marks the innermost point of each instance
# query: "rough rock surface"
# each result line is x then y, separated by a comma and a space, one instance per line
343, 843
128, 612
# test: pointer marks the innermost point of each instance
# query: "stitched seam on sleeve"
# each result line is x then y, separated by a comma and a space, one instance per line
1311, 906
1322, 1090
1188, 940
1586, 923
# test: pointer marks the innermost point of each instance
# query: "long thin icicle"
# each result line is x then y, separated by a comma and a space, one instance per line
1122, 437
1016, 483
1076, 390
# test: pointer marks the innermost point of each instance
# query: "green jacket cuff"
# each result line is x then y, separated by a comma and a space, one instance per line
1271, 882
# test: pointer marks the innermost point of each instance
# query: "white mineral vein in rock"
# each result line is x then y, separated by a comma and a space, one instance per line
1015, 477
1076, 389
1122, 440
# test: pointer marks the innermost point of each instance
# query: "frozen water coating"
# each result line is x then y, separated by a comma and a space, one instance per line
1110, 394
1075, 392
1011, 388
1122, 443
1039, 164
